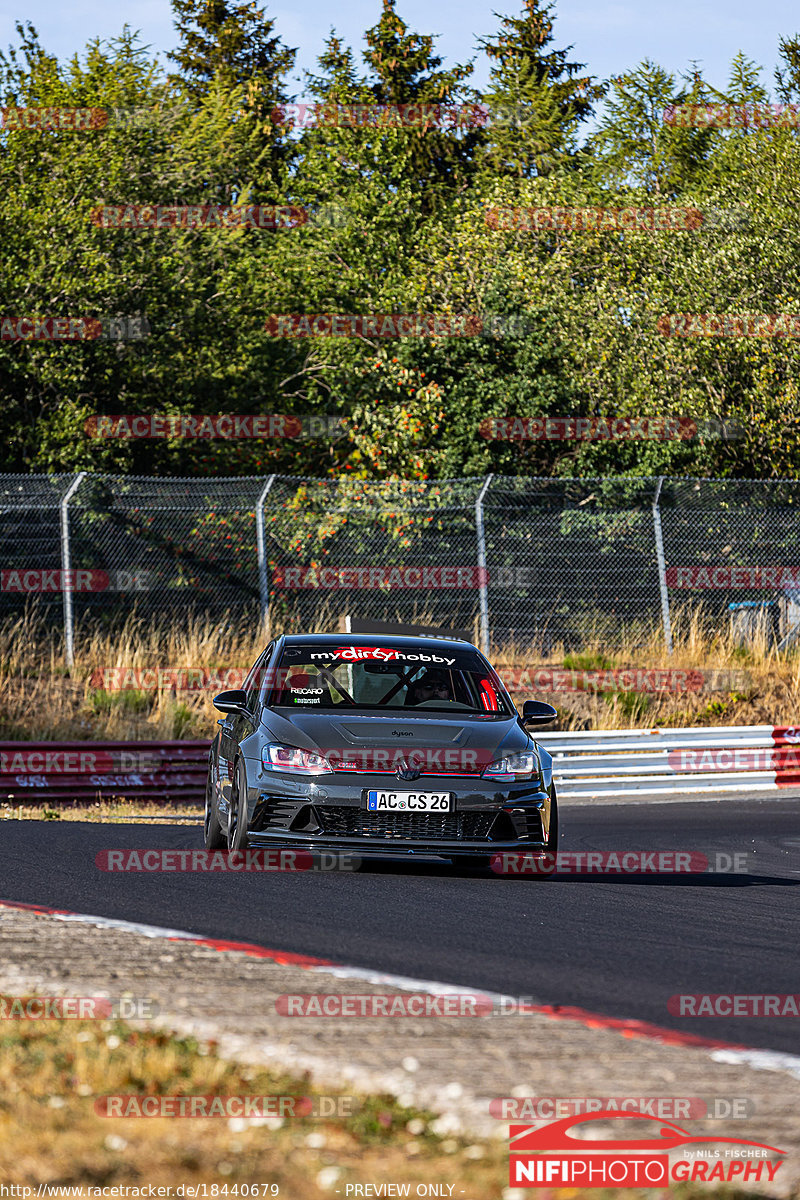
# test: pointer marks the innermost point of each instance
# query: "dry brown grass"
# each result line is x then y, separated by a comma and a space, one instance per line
41, 699
51, 1072
767, 682
104, 812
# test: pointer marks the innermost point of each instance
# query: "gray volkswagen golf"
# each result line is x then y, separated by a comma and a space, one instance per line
379, 745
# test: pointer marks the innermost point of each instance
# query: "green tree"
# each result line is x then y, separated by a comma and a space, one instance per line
636, 147
537, 98
205, 352
226, 46
234, 43
787, 73
435, 155
744, 82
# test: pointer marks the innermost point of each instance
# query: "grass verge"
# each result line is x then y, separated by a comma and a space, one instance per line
43, 699
111, 812
52, 1073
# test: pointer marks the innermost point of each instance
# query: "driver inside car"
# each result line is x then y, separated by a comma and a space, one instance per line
433, 685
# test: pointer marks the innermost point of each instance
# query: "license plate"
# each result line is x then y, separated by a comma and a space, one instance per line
409, 802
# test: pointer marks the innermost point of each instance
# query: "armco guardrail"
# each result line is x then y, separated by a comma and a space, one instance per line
589, 764
70, 772
593, 764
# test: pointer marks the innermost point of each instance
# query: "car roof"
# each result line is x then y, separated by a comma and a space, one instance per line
373, 639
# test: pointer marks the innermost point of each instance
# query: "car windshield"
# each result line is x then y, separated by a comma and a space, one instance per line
414, 678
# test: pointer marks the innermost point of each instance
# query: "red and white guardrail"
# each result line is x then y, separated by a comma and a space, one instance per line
589, 764
592, 764
77, 772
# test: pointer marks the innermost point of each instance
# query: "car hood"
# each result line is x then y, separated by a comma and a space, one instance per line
484, 739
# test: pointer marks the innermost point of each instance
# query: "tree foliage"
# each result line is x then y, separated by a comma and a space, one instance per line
398, 217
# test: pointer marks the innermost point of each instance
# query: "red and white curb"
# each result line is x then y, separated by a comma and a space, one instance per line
731, 1053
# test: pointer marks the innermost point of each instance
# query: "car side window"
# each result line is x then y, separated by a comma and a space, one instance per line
253, 685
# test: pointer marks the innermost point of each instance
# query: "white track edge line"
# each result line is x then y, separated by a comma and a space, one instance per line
759, 1060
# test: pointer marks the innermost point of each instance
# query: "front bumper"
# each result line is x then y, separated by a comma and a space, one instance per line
329, 815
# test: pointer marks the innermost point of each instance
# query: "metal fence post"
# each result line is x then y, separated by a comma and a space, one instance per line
66, 570
662, 570
261, 545
482, 579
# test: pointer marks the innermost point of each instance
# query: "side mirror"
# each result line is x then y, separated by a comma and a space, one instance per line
231, 702
536, 712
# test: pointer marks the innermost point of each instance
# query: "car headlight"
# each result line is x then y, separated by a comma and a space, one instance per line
514, 766
275, 757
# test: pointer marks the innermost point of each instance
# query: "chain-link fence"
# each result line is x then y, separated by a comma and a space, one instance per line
515, 560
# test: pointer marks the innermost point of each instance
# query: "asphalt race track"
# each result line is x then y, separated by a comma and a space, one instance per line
617, 945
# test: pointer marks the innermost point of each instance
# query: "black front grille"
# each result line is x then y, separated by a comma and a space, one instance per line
349, 821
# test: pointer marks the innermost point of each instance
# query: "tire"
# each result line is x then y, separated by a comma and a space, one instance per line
213, 836
552, 837
551, 845
237, 812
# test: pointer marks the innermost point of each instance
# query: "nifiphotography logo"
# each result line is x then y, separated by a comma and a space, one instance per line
565, 1154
